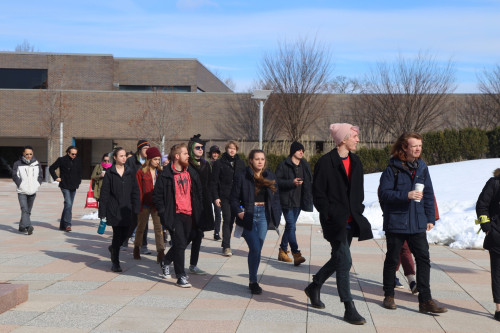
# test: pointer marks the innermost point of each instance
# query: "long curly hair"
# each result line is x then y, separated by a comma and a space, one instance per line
397, 150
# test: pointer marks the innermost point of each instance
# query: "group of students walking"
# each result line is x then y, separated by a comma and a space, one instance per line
185, 194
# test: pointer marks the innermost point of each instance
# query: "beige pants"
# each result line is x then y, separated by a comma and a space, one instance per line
142, 220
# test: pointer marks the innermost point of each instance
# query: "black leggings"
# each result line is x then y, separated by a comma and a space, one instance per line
119, 235
495, 276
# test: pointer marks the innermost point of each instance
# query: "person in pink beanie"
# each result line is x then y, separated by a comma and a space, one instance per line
338, 194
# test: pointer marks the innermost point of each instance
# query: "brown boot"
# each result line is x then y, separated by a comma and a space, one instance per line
283, 256
298, 258
159, 257
389, 303
431, 306
137, 253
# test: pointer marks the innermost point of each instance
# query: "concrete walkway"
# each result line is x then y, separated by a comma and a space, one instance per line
71, 287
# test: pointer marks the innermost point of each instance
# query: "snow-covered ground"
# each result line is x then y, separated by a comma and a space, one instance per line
456, 185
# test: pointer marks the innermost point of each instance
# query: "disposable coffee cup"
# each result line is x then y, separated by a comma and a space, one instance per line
420, 188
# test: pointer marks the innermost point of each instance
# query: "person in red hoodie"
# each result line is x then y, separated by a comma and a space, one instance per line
146, 178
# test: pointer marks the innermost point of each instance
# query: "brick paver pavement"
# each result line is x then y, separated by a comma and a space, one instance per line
73, 290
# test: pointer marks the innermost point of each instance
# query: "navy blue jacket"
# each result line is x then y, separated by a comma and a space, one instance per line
402, 215
243, 195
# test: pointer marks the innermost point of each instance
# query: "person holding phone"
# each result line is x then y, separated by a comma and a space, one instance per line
295, 184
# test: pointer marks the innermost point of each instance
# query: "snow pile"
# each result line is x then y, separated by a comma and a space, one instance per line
91, 216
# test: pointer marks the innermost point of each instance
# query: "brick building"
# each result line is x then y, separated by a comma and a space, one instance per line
100, 98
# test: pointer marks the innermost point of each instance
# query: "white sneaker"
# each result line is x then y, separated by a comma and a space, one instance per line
196, 270
165, 271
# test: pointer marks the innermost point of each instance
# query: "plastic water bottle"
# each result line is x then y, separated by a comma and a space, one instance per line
102, 226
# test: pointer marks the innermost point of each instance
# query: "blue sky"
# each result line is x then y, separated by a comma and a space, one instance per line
230, 37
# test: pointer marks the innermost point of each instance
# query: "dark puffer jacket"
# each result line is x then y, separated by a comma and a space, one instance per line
402, 215
243, 195
164, 196
223, 174
285, 173
336, 198
70, 172
488, 204
120, 197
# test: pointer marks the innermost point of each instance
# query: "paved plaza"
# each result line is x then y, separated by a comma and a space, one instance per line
71, 287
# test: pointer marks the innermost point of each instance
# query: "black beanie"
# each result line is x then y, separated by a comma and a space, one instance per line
296, 146
142, 143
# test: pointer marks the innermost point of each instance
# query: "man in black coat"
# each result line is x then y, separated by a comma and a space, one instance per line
70, 177
338, 196
196, 147
295, 187
178, 197
224, 170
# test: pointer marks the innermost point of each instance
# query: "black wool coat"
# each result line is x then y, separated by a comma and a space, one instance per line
488, 204
120, 197
204, 171
133, 163
336, 198
70, 172
164, 196
223, 174
285, 173
243, 197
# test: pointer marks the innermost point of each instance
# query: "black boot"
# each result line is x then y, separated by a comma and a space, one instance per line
115, 260
351, 315
312, 291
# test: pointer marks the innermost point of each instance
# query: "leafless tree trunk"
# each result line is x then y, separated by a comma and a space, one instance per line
242, 122
489, 85
162, 115
54, 110
298, 73
409, 94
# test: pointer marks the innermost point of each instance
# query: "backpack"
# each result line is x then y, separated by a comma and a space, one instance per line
436, 210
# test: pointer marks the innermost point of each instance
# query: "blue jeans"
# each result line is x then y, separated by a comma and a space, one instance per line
291, 216
26, 203
66, 216
255, 240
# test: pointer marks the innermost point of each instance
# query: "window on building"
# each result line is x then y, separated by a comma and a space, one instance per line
15, 78
153, 88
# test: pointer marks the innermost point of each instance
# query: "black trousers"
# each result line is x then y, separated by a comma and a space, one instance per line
184, 233
218, 219
120, 234
227, 223
420, 248
196, 246
341, 263
495, 276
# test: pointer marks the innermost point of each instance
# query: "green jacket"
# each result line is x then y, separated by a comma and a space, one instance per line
97, 180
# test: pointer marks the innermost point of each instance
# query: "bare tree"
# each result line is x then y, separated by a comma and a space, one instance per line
242, 122
489, 85
298, 73
163, 117
54, 110
474, 111
344, 85
408, 95
25, 46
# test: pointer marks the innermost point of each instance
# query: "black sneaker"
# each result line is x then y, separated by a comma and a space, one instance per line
23, 230
183, 282
29, 230
165, 271
255, 288
497, 315
217, 237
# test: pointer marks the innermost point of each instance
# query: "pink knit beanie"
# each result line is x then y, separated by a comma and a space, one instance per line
340, 130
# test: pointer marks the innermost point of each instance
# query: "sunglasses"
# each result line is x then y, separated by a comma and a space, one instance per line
72, 154
28, 153
199, 147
